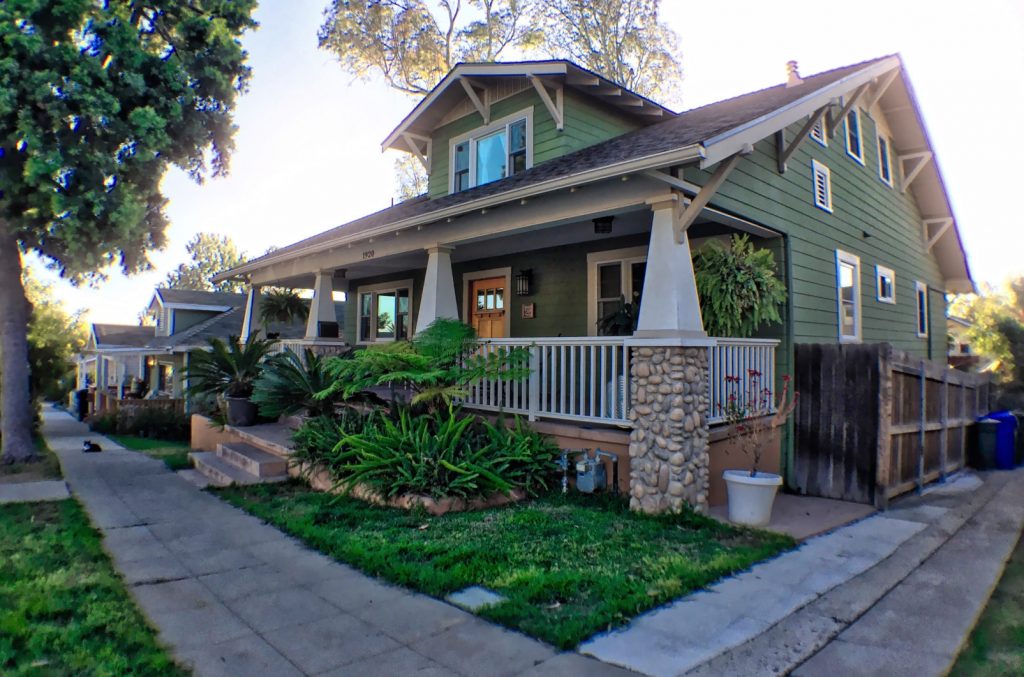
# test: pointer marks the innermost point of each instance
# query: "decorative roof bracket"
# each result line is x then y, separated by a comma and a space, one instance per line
690, 213
922, 157
786, 152
484, 110
833, 123
555, 107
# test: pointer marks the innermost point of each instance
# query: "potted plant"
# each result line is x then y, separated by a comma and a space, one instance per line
753, 416
227, 372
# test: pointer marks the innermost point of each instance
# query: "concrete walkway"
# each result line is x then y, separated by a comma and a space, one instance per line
24, 492
231, 595
894, 594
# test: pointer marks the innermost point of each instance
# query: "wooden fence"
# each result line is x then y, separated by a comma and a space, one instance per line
873, 422
110, 403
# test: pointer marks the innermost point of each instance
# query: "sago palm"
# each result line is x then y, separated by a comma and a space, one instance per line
226, 368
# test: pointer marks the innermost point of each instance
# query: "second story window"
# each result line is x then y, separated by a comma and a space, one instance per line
491, 153
884, 162
854, 146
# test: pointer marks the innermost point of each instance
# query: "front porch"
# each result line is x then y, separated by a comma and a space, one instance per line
596, 283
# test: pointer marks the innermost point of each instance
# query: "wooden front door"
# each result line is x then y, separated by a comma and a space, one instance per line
487, 307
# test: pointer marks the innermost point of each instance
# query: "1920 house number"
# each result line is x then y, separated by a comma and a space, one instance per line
368, 254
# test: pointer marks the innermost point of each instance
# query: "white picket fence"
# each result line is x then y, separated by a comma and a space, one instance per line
586, 379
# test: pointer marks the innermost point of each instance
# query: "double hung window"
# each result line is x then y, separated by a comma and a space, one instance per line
385, 312
493, 152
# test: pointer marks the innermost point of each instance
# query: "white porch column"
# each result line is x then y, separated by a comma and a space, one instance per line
438, 297
101, 380
669, 307
321, 307
250, 322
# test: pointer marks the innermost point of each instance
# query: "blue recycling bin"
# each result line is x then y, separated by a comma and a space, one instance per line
1006, 440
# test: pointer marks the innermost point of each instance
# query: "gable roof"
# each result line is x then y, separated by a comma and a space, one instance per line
120, 335
707, 134
193, 297
424, 118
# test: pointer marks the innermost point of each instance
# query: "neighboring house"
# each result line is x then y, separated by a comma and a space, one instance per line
961, 354
111, 358
554, 193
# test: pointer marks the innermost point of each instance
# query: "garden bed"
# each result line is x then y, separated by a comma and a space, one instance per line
569, 566
63, 609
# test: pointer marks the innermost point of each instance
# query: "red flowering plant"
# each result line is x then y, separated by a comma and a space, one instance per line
754, 413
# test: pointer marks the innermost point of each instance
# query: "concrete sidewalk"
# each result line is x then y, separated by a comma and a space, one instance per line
231, 595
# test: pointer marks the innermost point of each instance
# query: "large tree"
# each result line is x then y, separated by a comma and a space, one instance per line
210, 254
412, 44
97, 101
55, 336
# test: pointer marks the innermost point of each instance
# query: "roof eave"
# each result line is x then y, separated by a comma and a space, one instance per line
682, 155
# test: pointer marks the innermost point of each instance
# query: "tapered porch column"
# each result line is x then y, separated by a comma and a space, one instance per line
669, 307
668, 446
321, 308
438, 297
250, 322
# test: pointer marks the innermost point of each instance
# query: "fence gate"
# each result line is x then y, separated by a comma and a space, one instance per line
873, 422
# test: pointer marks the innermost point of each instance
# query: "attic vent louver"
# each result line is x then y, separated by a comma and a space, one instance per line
793, 75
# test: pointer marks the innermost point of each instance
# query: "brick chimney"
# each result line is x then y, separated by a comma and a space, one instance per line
792, 75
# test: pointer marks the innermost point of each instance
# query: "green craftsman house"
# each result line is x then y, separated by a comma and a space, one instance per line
555, 194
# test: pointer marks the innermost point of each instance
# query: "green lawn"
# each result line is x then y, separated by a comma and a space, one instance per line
173, 453
63, 609
996, 646
569, 566
46, 468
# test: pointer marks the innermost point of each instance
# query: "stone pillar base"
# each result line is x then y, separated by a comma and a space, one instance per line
668, 446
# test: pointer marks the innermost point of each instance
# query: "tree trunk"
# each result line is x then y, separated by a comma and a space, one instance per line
15, 398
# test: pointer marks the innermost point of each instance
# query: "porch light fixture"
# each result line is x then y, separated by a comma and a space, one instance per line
524, 278
603, 225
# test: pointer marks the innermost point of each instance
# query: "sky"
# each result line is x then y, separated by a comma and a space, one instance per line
308, 152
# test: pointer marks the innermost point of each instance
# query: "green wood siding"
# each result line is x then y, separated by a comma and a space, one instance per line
861, 203
586, 122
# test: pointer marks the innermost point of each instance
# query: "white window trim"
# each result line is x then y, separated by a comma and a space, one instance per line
817, 167
860, 130
479, 132
851, 260
891, 274
820, 126
888, 157
468, 278
627, 257
383, 286
920, 287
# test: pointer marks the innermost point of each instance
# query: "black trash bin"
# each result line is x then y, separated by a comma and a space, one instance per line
987, 436
82, 403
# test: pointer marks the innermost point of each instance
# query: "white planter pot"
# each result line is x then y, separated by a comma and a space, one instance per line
751, 497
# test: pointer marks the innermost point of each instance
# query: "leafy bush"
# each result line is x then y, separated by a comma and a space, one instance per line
438, 366
164, 424
443, 454
738, 287
289, 384
226, 369
317, 439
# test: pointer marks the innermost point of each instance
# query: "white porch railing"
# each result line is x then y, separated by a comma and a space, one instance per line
579, 379
742, 358
586, 379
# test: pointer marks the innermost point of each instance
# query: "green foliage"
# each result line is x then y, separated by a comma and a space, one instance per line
142, 422
289, 384
412, 44
118, 93
621, 321
443, 454
317, 440
55, 336
211, 254
438, 366
64, 609
738, 288
283, 305
226, 369
993, 315
569, 566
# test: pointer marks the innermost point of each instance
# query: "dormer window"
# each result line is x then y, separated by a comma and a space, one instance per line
493, 152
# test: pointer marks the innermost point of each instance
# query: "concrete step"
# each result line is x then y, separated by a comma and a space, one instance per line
193, 476
222, 473
253, 460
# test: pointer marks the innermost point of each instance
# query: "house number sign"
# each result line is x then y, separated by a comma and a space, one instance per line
368, 254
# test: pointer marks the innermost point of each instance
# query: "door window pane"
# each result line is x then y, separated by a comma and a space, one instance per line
490, 158
386, 315
499, 299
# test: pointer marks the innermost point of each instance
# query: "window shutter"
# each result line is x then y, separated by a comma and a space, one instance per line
822, 186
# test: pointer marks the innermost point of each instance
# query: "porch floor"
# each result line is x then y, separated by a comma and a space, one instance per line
804, 516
